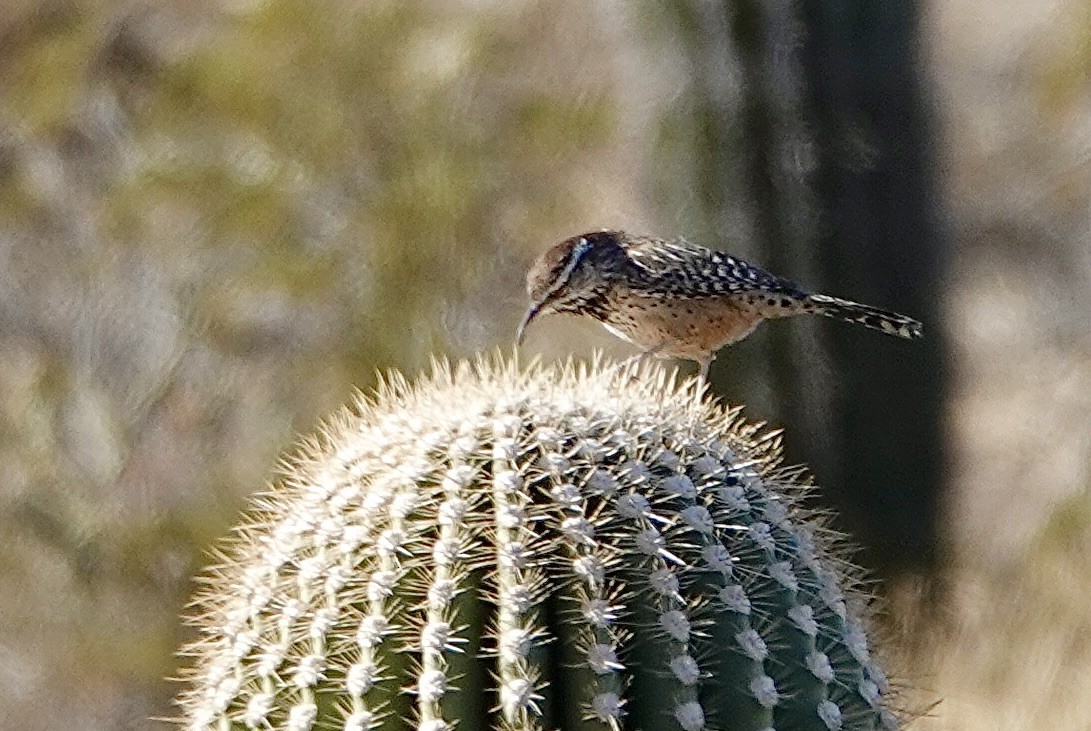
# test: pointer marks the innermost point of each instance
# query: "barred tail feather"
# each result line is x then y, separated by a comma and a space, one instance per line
890, 323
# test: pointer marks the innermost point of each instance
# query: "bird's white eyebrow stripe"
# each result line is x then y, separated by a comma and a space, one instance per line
578, 253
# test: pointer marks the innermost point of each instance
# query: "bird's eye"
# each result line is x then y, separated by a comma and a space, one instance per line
578, 252
573, 260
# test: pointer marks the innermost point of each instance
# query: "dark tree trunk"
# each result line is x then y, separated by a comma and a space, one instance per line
832, 134
882, 244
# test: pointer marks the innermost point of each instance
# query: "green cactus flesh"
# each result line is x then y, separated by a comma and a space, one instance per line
569, 548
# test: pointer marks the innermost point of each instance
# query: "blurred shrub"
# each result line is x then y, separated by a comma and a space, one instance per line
214, 218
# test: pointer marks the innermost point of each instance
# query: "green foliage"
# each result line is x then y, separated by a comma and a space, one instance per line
365, 157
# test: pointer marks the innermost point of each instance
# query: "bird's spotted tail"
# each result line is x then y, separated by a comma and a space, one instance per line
890, 323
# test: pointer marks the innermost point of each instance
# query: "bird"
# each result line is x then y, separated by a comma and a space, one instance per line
675, 299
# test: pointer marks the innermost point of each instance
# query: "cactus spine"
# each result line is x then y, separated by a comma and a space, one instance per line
554, 549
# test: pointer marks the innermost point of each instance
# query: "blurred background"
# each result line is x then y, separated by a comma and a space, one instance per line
219, 217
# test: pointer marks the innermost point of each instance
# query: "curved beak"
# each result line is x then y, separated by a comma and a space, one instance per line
531, 314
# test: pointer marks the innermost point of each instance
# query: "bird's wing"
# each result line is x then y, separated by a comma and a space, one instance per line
681, 269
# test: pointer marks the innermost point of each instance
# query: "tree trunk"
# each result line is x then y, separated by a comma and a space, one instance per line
837, 150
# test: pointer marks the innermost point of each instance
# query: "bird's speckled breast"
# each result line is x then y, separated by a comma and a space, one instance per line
690, 328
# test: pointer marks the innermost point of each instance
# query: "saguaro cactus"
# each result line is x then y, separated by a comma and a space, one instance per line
573, 548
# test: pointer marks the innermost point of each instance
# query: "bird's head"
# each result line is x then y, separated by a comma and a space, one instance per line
571, 276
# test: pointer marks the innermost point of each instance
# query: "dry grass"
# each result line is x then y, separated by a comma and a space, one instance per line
1014, 646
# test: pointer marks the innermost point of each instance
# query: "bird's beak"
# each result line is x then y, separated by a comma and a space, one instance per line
531, 314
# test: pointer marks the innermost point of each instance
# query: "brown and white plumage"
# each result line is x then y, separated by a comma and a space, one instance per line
677, 299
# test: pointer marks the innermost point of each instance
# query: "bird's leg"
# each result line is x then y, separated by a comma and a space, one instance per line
705, 363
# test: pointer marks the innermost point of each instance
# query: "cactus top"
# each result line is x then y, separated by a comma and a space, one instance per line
559, 548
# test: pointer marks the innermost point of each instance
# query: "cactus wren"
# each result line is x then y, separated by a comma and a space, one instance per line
673, 299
